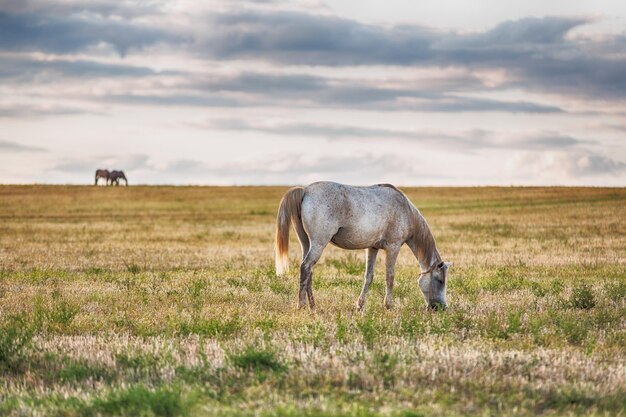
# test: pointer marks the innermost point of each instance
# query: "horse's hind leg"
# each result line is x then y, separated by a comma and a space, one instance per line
306, 274
305, 243
309, 293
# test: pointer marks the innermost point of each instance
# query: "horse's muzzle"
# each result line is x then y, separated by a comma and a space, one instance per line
438, 306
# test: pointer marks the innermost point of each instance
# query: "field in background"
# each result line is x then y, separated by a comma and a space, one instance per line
164, 301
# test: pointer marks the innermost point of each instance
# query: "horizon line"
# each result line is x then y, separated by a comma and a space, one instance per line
300, 185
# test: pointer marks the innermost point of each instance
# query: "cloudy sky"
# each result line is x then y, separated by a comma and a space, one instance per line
451, 92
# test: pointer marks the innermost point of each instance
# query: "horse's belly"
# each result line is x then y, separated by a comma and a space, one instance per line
348, 238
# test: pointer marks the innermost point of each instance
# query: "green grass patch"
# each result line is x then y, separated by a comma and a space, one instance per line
16, 334
133, 268
616, 290
211, 327
253, 359
582, 297
350, 264
140, 400
81, 370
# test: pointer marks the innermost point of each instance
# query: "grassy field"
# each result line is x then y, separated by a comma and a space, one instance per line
163, 301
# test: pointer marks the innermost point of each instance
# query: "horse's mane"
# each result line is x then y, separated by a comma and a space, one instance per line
422, 236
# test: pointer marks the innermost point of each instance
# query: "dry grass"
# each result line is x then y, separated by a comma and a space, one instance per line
164, 301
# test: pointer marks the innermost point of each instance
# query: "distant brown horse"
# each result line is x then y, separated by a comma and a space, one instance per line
115, 176
102, 173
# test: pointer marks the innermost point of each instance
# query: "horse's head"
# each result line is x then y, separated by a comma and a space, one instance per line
433, 285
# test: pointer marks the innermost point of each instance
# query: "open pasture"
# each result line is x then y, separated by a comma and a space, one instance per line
164, 301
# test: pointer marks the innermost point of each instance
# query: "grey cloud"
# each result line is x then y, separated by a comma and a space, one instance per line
173, 99
301, 38
552, 141
68, 34
614, 126
75, 166
87, 165
256, 89
538, 57
34, 111
469, 104
590, 164
292, 84
8, 146
187, 166
465, 141
31, 70
105, 8
263, 83
545, 30
439, 96
308, 90
535, 51
469, 140
591, 77
311, 129
281, 36
359, 169
517, 36
374, 164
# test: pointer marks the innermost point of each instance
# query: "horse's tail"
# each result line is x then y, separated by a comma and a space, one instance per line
288, 212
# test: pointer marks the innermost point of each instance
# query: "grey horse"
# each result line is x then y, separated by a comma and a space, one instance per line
371, 218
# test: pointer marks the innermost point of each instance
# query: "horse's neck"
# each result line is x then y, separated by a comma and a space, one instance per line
424, 247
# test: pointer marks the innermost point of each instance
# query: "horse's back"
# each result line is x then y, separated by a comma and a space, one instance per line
358, 217
343, 196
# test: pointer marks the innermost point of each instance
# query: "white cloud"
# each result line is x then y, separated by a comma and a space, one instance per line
556, 167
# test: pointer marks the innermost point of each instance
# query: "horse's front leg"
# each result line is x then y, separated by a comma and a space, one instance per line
392, 256
370, 261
